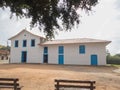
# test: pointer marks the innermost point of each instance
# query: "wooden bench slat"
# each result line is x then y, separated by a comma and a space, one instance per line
9, 84
74, 81
79, 84
9, 79
74, 86
4, 86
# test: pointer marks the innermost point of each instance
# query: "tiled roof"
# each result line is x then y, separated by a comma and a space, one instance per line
72, 41
24, 30
4, 52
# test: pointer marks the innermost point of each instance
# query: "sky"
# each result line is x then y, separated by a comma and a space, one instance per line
103, 22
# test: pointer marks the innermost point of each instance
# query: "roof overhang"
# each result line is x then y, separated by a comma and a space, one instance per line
75, 41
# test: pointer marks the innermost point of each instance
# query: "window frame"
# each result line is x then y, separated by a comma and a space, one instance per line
45, 50
82, 49
24, 43
61, 50
16, 43
32, 42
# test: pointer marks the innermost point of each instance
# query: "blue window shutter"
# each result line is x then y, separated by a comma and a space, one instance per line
61, 50
16, 43
45, 50
82, 49
33, 42
24, 43
61, 59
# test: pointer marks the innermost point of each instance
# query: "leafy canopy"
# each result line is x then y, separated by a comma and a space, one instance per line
2, 47
46, 13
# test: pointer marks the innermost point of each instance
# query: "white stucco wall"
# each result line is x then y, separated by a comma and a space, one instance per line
71, 51
34, 54
72, 56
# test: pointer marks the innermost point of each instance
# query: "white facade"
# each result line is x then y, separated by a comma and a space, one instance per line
34, 54
70, 54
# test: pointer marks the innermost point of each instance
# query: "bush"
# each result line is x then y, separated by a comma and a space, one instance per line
113, 59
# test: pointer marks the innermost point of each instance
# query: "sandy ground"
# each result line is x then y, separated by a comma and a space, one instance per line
41, 77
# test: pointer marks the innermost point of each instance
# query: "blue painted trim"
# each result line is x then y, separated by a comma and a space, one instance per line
16, 43
82, 49
32, 42
45, 50
61, 50
24, 43
94, 59
24, 56
61, 55
61, 59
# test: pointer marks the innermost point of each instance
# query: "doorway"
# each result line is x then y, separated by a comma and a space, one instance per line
94, 60
45, 59
24, 56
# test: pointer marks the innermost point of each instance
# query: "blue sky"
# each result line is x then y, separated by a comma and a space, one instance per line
102, 23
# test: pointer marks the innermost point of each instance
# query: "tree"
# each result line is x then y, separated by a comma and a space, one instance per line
108, 54
2, 47
117, 55
46, 13
115, 59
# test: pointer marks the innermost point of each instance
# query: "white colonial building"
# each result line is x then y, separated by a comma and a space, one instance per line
27, 47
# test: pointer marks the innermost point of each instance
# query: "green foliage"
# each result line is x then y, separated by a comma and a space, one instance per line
2, 47
45, 13
113, 59
116, 65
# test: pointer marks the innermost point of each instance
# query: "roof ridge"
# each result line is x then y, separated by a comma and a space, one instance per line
26, 31
75, 39
78, 40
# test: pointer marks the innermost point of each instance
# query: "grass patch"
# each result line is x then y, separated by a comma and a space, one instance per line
116, 65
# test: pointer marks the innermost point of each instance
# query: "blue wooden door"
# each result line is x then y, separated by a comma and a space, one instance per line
24, 56
45, 59
61, 59
94, 60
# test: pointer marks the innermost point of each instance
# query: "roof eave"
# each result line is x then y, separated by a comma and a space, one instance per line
107, 42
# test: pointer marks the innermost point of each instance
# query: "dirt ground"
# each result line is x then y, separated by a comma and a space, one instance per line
41, 77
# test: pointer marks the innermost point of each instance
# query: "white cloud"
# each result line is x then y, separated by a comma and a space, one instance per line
102, 23
9, 27
117, 4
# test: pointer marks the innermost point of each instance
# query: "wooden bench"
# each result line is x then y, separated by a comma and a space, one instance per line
10, 83
64, 84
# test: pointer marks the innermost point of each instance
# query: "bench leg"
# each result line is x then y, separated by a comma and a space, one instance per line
91, 86
18, 88
57, 86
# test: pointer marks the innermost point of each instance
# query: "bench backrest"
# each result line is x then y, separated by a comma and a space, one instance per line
9, 82
90, 85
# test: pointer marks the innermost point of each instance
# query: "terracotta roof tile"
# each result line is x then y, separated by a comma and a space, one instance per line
78, 40
4, 52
